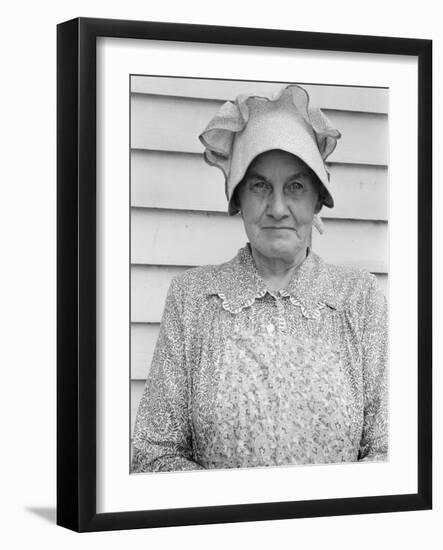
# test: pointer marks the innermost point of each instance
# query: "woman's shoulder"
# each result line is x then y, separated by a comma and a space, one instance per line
199, 280
349, 284
349, 275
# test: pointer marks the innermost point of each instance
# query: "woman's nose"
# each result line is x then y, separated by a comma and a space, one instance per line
277, 205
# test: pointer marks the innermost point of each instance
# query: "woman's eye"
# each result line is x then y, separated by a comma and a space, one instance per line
295, 187
258, 185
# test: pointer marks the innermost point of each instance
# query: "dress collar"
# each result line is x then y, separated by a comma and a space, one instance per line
238, 284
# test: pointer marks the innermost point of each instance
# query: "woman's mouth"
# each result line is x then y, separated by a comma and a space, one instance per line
277, 228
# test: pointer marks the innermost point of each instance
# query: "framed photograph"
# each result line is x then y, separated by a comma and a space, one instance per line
244, 274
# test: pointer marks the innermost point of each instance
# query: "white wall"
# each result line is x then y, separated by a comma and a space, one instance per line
27, 229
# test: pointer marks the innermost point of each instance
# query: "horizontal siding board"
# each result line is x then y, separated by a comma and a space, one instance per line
149, 285
175, 180
186, 182
173, 124
177, 238
352, 98
144, 337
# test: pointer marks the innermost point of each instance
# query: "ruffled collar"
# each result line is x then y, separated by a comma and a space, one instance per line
238, 284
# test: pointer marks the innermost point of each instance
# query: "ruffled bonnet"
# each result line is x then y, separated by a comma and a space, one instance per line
253, 124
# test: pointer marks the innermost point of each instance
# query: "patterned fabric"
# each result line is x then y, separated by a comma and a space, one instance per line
242, 376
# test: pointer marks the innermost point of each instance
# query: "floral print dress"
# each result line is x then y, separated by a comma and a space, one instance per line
242, 376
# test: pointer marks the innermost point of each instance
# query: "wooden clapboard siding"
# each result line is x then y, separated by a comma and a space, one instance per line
143, 339
347, 98
175, 180
173, 124
149, 285
184, 181
161, 237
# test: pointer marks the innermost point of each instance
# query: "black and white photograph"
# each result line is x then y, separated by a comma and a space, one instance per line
259, 286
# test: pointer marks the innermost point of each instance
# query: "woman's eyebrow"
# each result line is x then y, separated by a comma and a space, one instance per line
301, 172
297, 174
253, 174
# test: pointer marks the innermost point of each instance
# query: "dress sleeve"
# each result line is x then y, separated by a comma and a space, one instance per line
162, 436
374, 441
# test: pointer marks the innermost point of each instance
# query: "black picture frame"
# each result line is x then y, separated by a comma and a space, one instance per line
76, 274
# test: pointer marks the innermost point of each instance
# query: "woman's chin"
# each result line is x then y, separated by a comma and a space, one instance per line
283, 249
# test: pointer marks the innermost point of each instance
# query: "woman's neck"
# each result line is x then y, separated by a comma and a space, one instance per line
277, 272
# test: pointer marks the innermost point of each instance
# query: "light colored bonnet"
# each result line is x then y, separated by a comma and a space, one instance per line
252, 124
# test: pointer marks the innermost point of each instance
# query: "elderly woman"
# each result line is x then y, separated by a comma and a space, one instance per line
275, 357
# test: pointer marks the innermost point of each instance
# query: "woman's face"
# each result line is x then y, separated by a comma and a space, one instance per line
278, 199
